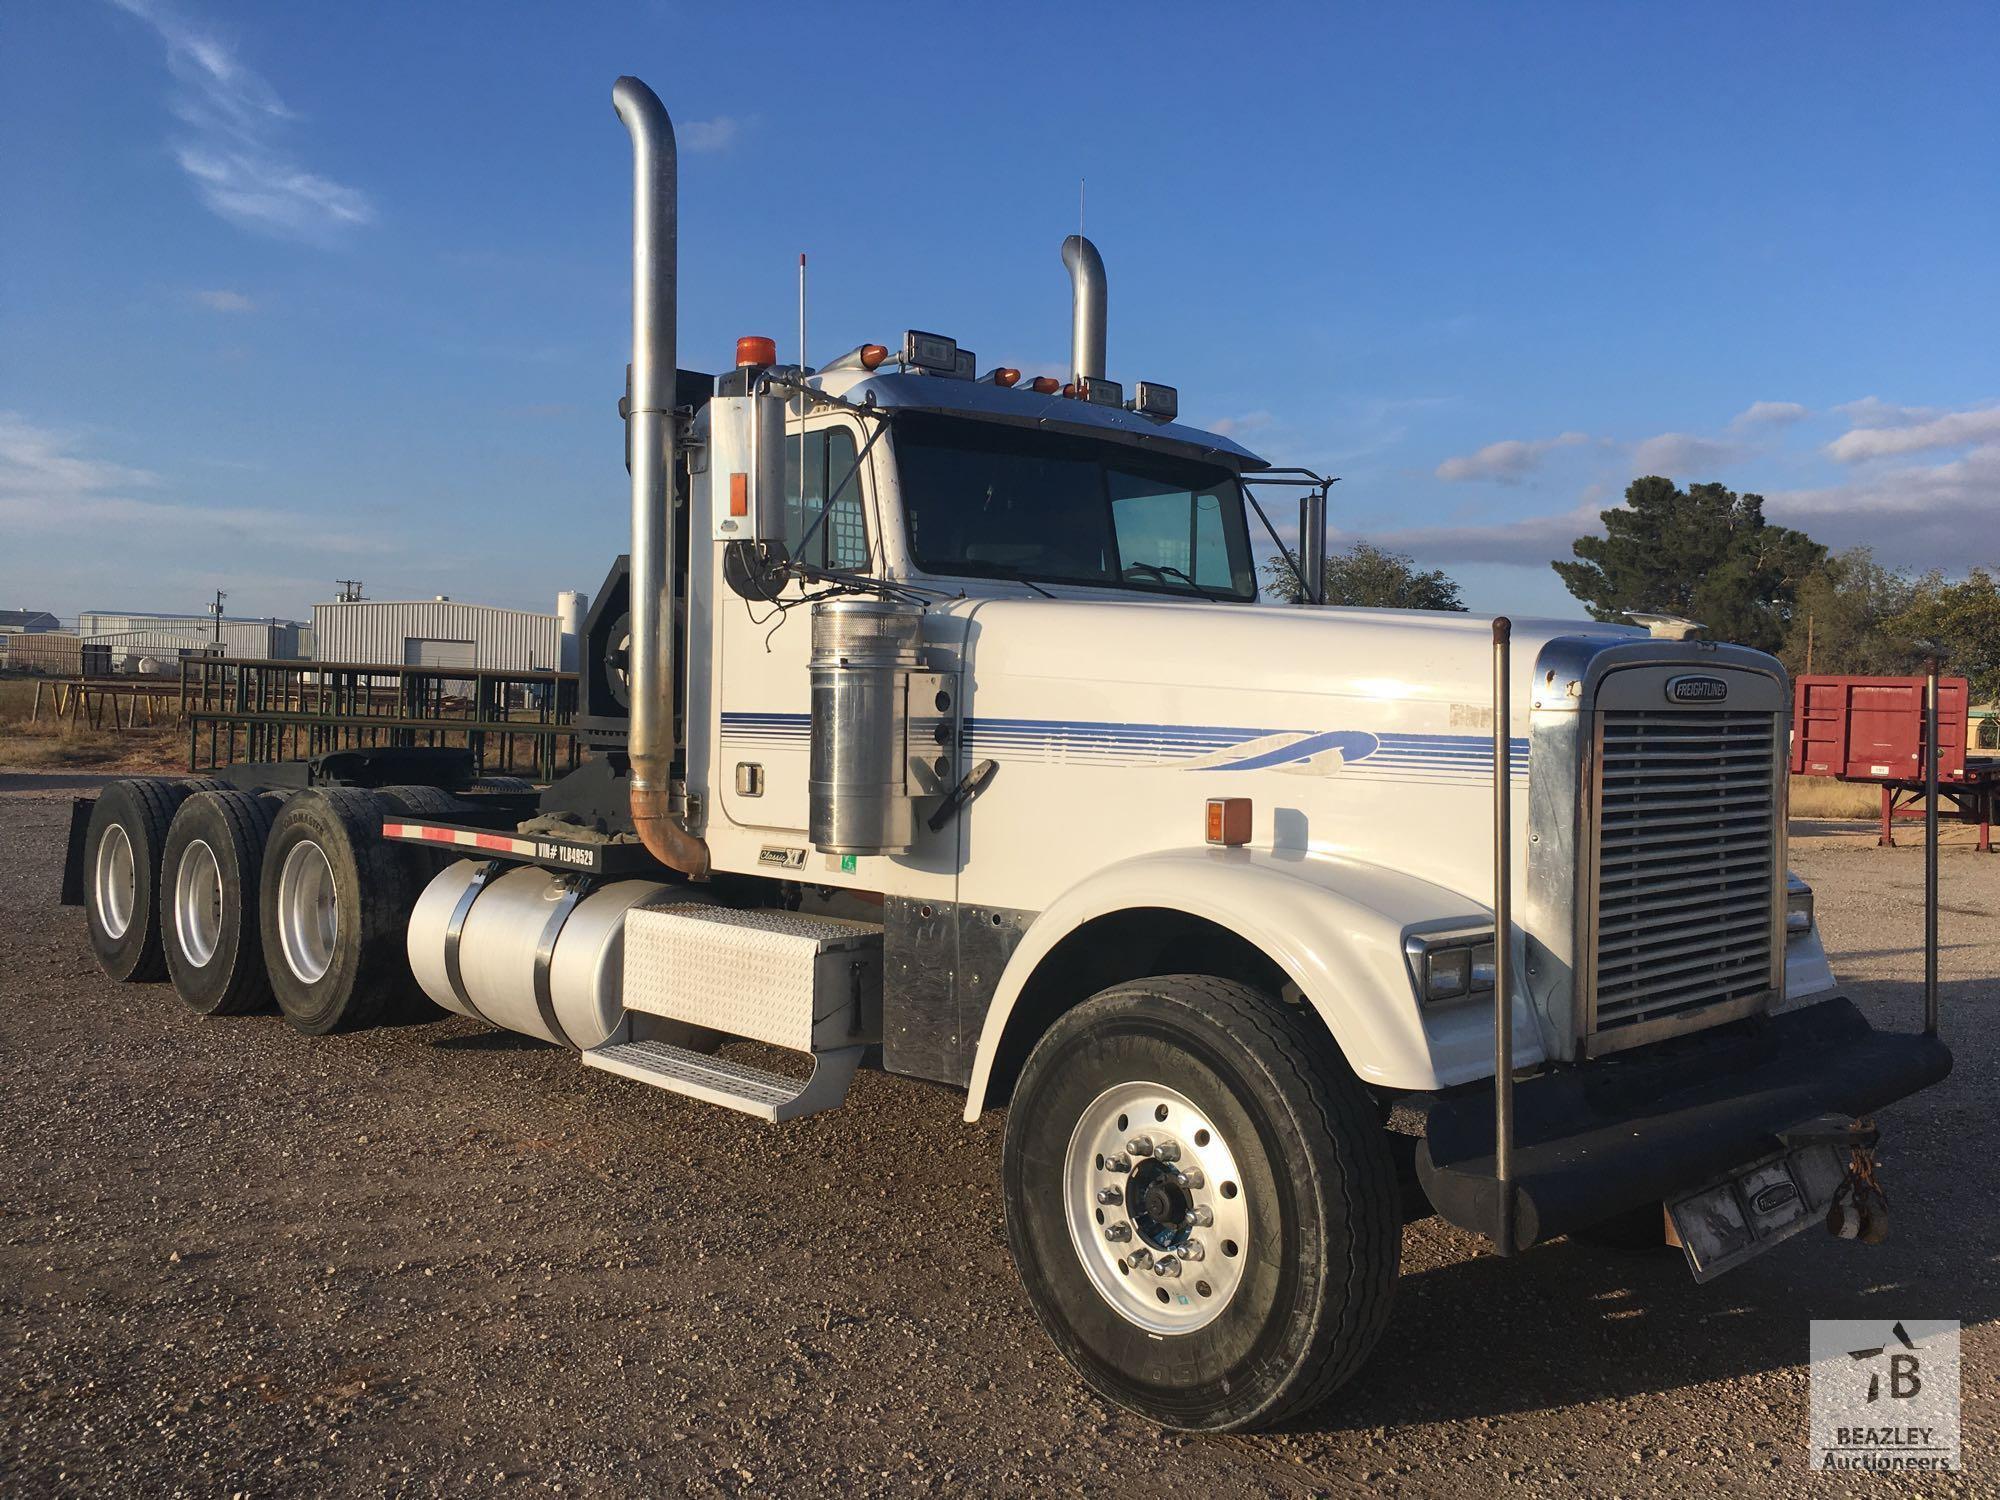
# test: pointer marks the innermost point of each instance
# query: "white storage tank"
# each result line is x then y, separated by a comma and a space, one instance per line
571, 606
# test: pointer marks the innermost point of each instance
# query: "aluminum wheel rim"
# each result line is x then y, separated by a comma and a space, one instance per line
1155, 1208
308, 919
117, 881
198, 903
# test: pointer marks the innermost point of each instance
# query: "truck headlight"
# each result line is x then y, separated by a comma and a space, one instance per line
1451, 965
1798, 907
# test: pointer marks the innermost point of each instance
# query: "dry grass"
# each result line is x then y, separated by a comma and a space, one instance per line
1822, 797
50, 744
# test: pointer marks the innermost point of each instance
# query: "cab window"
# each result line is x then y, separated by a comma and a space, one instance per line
820, 466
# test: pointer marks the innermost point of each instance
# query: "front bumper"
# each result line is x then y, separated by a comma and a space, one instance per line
1595, 1140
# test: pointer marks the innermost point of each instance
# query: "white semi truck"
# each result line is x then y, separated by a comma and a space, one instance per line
936, 725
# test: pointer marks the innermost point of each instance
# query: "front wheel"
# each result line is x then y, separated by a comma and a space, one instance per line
1201, 1203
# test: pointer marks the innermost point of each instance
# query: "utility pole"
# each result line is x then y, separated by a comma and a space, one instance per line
216, 610
1809, 644
350, 590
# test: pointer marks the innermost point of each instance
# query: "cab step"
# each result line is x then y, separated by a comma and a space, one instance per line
714, 1080
809, 984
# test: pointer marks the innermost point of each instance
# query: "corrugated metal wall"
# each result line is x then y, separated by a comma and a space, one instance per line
56, 652
167, 643
379, 630
124, 633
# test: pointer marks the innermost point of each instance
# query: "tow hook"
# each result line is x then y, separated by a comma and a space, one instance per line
1860, 1209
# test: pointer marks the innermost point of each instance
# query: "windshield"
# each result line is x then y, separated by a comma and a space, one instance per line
991, 501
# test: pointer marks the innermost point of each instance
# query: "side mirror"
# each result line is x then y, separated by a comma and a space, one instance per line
746, 468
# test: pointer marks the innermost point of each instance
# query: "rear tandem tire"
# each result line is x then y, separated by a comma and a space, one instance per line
333, 911
210, 878
1276, 1149
121, 854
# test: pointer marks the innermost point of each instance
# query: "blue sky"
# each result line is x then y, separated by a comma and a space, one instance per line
291, 293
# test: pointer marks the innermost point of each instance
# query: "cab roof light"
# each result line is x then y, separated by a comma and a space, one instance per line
1000, 377
1100, 392
929, 351
1043, 385
1227, 823
861, 357
1160, 402
755, 350
967, 366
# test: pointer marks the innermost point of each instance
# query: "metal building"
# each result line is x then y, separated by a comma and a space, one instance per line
125, 642
53, 653
440, 633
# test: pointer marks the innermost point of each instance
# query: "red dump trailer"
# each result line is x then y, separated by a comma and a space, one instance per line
1871, 729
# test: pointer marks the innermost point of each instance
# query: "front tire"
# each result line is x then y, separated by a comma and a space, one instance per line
1253, 1166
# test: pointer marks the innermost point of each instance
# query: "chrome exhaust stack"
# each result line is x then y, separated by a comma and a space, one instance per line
1088, 292
650, 434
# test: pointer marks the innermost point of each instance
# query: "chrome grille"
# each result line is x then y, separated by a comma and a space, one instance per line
1686, 856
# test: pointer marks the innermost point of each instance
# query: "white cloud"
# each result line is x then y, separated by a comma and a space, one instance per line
49, 490
718, 134
1507, 462
1770, 414
1873, 411
1683, 454
1951, 430
221, 299
1531, 540
1915, 515
230, 148
1250, 421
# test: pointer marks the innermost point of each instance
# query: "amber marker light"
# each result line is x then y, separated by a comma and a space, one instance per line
753, 350
872, 355
1228, 821
1042, 385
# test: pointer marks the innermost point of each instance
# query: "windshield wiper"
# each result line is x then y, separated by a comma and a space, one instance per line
1163, 574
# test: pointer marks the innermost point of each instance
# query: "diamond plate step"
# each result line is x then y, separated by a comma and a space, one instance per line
751, 1091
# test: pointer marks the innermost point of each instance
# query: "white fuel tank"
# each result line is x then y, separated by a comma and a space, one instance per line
570, 994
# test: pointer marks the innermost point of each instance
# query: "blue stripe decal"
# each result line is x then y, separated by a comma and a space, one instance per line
1406, 757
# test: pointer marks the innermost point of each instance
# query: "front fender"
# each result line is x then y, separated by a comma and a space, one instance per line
1335, 926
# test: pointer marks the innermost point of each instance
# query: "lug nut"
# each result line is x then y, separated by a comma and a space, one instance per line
1198, 1217
1117, 1163
1169, 1151
1190, 1250
1192, 1178
1166, 1267
1139, 1145
1118, 1233
1138, 1260
1109, 1196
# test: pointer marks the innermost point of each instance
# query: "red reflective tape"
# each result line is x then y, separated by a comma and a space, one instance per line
496, 841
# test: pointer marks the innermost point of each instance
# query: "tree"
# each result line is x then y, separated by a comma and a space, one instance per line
1704, 553
1963, 621
1366, 574
1846, 618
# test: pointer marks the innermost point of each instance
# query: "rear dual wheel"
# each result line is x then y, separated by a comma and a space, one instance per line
211, 873
123, 846
1201, 1203
334, 909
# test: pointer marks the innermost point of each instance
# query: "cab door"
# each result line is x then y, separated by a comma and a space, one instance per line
764, 720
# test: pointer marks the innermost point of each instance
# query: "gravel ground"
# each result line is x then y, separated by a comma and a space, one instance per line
436, 1258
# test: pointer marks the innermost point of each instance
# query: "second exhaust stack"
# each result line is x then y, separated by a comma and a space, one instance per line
1087, 297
